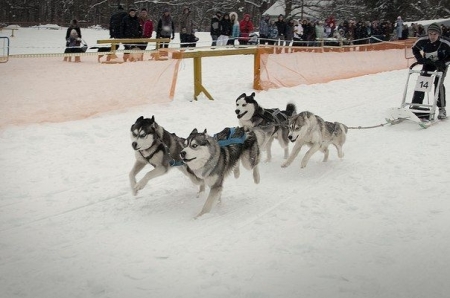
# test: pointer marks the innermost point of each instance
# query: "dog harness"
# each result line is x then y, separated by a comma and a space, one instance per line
231, 140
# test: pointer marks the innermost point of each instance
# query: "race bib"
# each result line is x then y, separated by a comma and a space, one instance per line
424, 84
432, 56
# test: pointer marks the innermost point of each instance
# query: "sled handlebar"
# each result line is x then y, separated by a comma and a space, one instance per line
413, 65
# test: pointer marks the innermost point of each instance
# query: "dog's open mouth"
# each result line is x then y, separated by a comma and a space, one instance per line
293, 140
239, 116
186, 160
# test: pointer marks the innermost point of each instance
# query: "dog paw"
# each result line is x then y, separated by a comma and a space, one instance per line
285, 165
140, 185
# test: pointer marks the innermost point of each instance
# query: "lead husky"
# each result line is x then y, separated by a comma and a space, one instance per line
267, 124
212, 162
156, 146
309, 129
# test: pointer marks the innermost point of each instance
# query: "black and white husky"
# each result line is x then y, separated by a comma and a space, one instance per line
153, 145
309, 129
267, 124
210, 161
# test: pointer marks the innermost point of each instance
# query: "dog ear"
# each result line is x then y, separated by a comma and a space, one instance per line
140, 118
243, 95
194, 131
205, 132
253, 94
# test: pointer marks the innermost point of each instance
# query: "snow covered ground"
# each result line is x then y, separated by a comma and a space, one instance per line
376, 224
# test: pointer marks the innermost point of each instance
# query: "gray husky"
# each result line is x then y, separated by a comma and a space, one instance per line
156, 146
212, 162
267, 124
309, 129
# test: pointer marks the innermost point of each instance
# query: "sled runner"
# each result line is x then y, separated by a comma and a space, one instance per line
425, 113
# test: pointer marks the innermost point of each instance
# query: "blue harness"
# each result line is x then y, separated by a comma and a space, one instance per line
229, 140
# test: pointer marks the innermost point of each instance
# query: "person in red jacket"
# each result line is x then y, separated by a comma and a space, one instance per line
246, 27
146, 24
146, 28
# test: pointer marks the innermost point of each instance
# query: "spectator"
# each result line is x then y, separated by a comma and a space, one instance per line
146, 24
308, 31
73, 25
281, 26
399, 28
73, 45
436, 52
405, 32
235, 32
130, 28
115, 21
225, 29
273, 33
290, 27
360, 33
215, 27
146, 28
187, 36
245, 27
166, 27
320, 31
298, 31
264, 28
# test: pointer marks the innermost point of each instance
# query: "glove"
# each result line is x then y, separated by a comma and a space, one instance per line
440, 65
422, 61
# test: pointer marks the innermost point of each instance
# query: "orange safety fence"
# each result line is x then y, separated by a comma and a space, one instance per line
293, 66
32, 88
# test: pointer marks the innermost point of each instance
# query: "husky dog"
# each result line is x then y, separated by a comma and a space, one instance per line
267, 124
155, 146
309, 129
211, 162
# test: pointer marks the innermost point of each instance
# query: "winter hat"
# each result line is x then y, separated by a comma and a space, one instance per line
435, 27
131, 9
166, 10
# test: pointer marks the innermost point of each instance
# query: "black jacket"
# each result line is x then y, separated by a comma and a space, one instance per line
225, 27
436, 51
114, 23
130, 27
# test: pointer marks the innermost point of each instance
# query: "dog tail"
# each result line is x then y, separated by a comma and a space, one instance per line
291, 109
343, 127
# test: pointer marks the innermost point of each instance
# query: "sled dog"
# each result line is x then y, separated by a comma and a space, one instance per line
309, 129
156, 146
267, 124
211, 162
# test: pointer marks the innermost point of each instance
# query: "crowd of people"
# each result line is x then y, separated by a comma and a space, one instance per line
227, 29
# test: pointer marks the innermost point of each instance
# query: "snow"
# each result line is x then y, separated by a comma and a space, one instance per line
376, 224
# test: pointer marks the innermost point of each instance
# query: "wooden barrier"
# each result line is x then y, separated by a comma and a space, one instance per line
197, 56
115, 42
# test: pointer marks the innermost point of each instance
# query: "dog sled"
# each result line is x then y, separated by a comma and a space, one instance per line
424, 114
